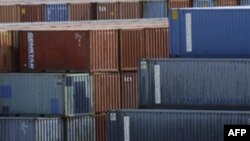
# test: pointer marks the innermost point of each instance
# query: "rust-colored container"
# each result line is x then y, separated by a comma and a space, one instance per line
104, 50
106, 91
101, 127
32, 13
130, 10
156, 43
226, 2
132, 48
9, 13
80, 11
107, 11
129, 98
178, 3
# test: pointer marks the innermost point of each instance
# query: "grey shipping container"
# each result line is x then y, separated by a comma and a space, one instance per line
31, 129
44, 93
172, 125
204, 83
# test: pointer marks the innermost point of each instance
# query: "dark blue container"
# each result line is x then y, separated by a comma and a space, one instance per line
210, 32
56, 12
154, 9
172, 125
203, 3
245, 2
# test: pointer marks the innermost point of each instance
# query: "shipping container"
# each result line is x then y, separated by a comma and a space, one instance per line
226, 2
43, 93
203, 3
56, 12
80, 11
32, 13
244, 2
210, 32
130, 10
107, 11
9, 13
101, 127
31, 129
106, 91
172, 125
178, 3
129, 97
203, 83
154, 9
80, 128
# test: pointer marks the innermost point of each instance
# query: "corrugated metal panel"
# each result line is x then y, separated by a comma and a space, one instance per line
80, 128
172, 125
106, 91
32, 13
199, 32
104, 50
9, 14
79, 12
43, 93
31, 129
154, 9
195, 83
107, 11
101, 127
130, 10
203, 3
56, 12
226, 2
5, 51
178, 3
132, 48
129, 97
244, 2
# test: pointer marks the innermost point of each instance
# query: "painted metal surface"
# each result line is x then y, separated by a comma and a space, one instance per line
226, 2
56, 12
107, 11
203, 3
203, 83
80, 11
178, 3
101, 127
210, 32
130, 10
43, 93
10, 13
32, 13
154, 9
244, 2
31, 129
174, 125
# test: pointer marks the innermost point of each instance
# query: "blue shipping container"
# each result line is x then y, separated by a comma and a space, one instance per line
172, 125
56, 12
210, 32
245, 2
154, 9
202, 83
203, 3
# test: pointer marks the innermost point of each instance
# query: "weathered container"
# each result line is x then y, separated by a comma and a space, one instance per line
129, 98
178, 3
210, 32
244, 2
101, 127
107, 11
32, 13
80, 128
130, 10
154, 9
43, 94
204, 83
106, 91
226, 2
80, 11
31, 129
9, 13
172, 125
132, 48
203, 3
56, 12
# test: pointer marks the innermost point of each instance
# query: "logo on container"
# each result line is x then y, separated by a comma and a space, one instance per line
31, 50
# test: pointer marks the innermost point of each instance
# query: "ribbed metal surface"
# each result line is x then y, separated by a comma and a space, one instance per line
41, 93
10, 13
101, 127
80, 128
107, 11
31, 129
56, 12
244, 2
226, 2
32, 13
6, 46
154, 9
172, 125
178, 3
79, 12
203, 3
130, 10
198, 32
195, 83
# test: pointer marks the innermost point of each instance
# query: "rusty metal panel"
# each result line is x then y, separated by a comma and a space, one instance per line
130, 10
101, 127
107, 11
80, 11
129, 97
178, 3
9, 13
156, 43
106, 91
132, 48
32, 13
104, 50
226, 2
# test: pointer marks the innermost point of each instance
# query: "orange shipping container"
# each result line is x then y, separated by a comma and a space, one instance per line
178, 3
226, 2
101, 127
32, 13
107, 11
79, 12
130, 10
9, 13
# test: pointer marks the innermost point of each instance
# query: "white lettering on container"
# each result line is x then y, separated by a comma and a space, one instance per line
31, 50
157, 84
126, 129
188, 32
